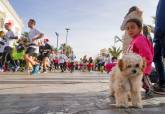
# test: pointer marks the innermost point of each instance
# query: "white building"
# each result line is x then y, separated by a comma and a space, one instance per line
8, 14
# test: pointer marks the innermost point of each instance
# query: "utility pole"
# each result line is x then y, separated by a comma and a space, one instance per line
57, 38
67, 30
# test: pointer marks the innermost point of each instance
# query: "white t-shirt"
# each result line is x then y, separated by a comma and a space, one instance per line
72, 58
62, 58
36, 48
10, 42
34, 33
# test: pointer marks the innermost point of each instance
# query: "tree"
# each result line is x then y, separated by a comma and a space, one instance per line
114, 51
67, 49
55, 49
25, 35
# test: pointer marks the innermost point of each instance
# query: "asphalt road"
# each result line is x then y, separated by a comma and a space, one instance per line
65, 93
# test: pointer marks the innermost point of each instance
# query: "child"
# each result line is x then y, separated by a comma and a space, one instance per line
62, 60
133, 13
45, 49
30, 60
142, 46
34, 35
56, 61
110, 65
90, 64
72, 58
10, 41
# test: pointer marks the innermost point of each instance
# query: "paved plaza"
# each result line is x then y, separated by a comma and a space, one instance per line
65, 93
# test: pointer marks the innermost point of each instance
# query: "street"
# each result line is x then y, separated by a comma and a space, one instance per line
64, 93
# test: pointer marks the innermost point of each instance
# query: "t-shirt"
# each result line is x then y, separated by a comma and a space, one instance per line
32, 34
72, 58
62, 58
9, 38
48, 46
52, 56
45, 48
84, 60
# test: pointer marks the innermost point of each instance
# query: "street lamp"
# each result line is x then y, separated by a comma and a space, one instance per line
57, 38
67, 30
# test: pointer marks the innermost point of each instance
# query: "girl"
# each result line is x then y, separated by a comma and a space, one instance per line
133, 13
142, 46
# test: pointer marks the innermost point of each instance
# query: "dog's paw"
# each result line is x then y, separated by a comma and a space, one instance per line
111, 93
122, 105
137, 106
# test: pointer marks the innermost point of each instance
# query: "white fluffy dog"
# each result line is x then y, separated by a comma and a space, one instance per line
126, 80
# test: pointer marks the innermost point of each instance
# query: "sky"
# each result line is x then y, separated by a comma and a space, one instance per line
92, 23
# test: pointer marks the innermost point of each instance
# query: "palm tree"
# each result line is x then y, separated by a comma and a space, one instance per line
114, 51
67, 49
25, 35
55, 49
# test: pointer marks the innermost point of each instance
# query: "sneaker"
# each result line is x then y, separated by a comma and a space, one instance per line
158, 89
163, 85
44, 71
35, 70
149, 93
1, 70
158, 85
11, 69
17, 68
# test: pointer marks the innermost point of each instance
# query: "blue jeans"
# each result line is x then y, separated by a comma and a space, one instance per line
158, 61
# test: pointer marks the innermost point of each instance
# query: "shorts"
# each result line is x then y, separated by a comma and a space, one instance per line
1, 55
42, 56
31, 51
8, 49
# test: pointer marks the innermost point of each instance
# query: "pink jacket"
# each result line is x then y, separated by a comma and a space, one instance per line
142, 46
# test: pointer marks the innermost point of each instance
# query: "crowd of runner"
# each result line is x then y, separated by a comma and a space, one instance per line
35, 55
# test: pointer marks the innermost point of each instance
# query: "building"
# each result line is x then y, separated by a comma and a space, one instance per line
8, 14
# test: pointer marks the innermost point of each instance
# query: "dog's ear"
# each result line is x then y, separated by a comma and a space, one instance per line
121, 64
144, 64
